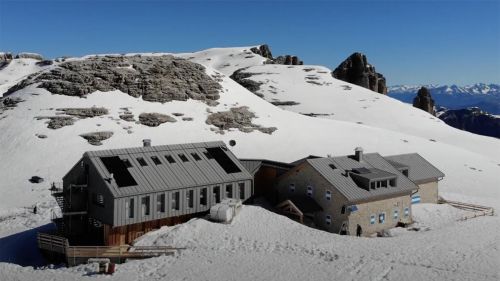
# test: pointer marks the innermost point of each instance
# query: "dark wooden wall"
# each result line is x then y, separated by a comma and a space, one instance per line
120, 235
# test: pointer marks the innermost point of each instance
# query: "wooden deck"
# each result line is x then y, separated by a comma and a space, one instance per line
80, 254
475, 210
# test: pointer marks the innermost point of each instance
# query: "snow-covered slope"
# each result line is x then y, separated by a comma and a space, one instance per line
471, 175
15, 71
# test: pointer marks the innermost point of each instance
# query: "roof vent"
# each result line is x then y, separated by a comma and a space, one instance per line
146, 142
358, 154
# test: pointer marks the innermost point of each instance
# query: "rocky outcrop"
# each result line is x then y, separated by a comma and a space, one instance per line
265, 51
156, 79
155, 119
96, 138
239, 118
29, 56
87, 112
57, 122
241, 77
424, 101
356, 70
472, 120
5, 59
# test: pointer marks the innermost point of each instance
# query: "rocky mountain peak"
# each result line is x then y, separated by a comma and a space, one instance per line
265, 51
424, 101
356, 70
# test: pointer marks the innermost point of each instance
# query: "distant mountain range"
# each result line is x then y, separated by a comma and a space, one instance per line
484, 96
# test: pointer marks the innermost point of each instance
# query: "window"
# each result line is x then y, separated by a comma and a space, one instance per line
292, 187
156, 160
183, 157
372, 219
328, 195
203, 196
396, 214
216, 194
309, 191
223, 160
381, 217
241, 187
405, 172
118, 168
129, 207
384, 183
342, 211
229, 191
332, 166
160, 203
142, 161
392, 182
407, 212
98, 199
176, 200
372, 185
190, 198
145, 205
328, 219
170, 159
379, 184
196, 156
127, 163
208, 155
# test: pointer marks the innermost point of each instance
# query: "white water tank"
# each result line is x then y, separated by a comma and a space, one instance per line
222, 213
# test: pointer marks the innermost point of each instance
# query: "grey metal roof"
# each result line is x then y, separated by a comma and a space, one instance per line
419, 168
397, 165
167, 176
376, 174
342, 181
253, 165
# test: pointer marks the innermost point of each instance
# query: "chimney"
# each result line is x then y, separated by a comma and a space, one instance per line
146, 142
358, 154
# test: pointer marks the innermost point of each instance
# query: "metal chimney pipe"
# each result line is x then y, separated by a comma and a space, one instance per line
358, 154
146, 142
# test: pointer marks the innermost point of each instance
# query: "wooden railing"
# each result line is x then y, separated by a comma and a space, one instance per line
475, 210
52, 243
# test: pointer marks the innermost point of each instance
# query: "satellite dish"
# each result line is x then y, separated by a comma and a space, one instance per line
232, 142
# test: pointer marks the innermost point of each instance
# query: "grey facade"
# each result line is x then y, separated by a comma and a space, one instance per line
135, 185
361, 190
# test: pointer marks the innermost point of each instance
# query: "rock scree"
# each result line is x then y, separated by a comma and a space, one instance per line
356, 70
96, 138
155, 119
84, 112
239, 118
155, 78
241, 77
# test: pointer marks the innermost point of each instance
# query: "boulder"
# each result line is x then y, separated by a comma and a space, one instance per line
424, 101
155, 119
356, 70
96, 138
263, 50
238, 118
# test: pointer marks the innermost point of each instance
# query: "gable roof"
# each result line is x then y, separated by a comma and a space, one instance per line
420, 170
341, 179
152, 172
253, 165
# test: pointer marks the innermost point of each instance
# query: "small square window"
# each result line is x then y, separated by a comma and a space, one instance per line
381, 217
396, 214
328, 219
142, 162
127, 163
328, 195
156, 160
407, 212
309, 191
170, 159
183, 157
196, 156
372, 219
342, 211
292, 187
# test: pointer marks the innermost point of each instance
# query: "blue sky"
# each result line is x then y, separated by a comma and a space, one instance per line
410, 42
